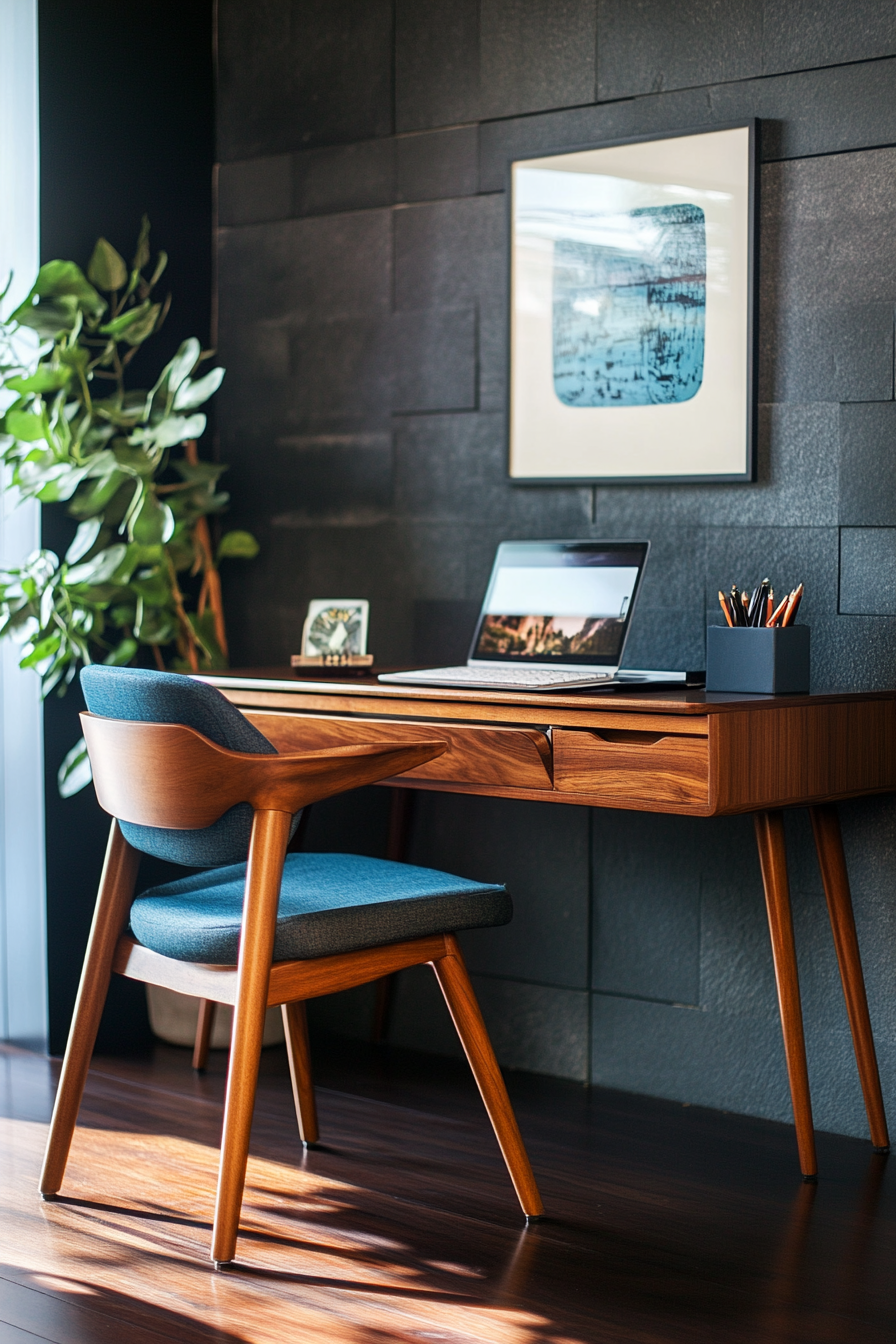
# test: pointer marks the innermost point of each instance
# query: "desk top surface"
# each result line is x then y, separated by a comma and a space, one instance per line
284, 688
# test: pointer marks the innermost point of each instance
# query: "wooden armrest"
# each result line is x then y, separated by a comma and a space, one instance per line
169, 775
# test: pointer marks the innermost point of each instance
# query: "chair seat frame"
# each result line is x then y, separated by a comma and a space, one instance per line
170, 776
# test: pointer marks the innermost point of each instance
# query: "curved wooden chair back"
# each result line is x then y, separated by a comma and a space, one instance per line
169, 775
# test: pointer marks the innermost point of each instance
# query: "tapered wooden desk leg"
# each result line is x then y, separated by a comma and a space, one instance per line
267, 849
773, 861
832, 862
110, 916
295, 1029
400, 807
467, 1017
203, 1040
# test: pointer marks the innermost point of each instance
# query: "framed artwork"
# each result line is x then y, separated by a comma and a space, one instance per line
632, 302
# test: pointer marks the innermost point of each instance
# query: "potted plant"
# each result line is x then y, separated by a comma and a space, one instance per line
140, 580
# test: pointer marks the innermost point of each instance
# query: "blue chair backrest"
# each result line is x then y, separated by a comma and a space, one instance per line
167, 697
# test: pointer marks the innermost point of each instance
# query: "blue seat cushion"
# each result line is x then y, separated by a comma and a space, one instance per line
139, 694
329, 903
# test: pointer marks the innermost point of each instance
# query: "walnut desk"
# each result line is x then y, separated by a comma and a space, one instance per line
679, 751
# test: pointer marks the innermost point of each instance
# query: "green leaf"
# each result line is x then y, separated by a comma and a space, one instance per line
100, 568
25, 425
237, 545
46, 378
153, 524
134, 459
74, 773
42, 651
155, 589
122, 655
161, 263
157, 626
199, 473
191, 394
174, 429
126, 325
94, 496
69, 292
106, 268
51, 319
183, 363
140, 331
50, 485
141, 255
84, 539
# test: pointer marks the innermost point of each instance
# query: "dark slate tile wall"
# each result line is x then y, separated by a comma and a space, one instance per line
362, 269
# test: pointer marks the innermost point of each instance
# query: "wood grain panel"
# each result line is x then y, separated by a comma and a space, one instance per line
787, 756
289, 979
619, 765
476, 753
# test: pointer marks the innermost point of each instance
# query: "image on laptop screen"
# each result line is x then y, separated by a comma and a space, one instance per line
559, 602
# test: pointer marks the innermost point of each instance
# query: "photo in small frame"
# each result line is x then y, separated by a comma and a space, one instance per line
335, 627
632, 295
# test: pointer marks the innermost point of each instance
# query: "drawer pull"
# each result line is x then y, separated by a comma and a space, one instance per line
630, 736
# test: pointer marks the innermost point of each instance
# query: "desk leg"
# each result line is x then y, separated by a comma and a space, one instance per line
773, 860
832, 862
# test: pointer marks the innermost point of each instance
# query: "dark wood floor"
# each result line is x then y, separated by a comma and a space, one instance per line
667, 1223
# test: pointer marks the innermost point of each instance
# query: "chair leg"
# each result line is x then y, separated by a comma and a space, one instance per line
110, 916
832, 862
773, 861
295, 1029
204, 1027
267, 850
454, 982
401, 806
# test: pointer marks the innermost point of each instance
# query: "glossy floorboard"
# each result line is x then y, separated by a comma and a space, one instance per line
667, 1223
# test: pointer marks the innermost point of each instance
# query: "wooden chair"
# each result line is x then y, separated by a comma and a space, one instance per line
220, 935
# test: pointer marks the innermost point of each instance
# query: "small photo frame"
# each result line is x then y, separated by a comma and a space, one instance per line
335, 627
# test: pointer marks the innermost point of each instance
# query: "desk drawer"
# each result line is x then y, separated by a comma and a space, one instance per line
626, 763
477, 754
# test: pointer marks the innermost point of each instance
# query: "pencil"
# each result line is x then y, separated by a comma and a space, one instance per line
723, 603
792, 606
779, 610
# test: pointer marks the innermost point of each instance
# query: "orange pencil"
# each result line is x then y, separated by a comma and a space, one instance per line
723, 603
773, 619
792, 605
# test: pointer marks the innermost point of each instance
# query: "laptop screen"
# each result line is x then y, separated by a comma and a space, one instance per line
564, 602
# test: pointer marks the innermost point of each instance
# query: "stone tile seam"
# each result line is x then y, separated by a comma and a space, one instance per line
357, 210
521, 980
647, 998
716, 84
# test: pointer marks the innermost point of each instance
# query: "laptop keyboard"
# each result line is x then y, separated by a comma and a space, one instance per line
505, 676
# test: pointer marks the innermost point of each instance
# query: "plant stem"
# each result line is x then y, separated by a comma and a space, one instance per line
211, 581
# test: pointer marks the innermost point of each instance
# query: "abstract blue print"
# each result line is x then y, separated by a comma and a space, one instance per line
629, 312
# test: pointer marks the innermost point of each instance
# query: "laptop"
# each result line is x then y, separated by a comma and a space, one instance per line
555, 616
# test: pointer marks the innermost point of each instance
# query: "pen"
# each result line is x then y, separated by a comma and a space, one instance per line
751, 609
759, 609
